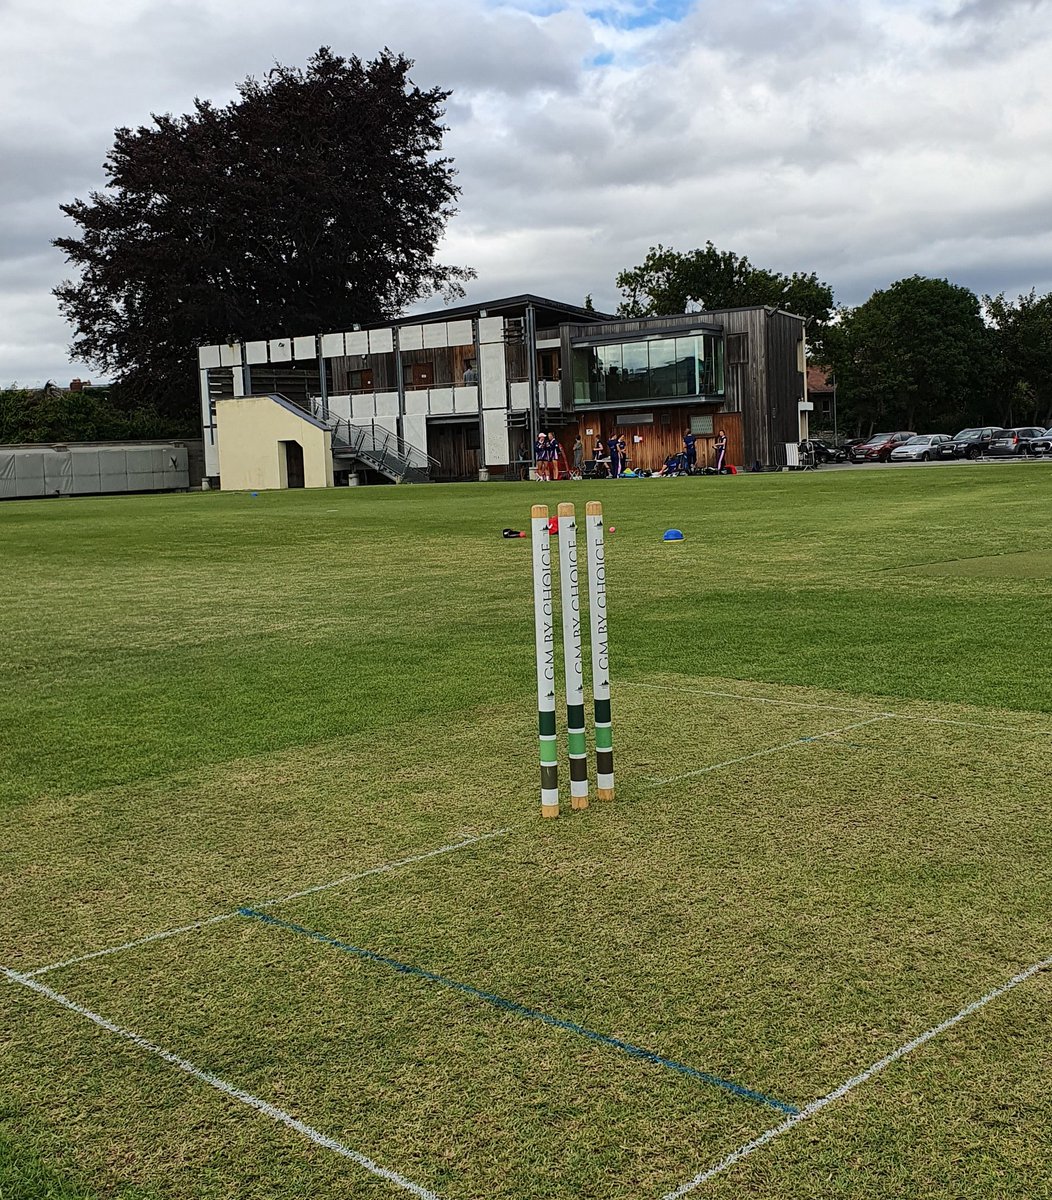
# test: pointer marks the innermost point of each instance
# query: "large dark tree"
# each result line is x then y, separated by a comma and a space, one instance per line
916, 355
668, 281
1023, 362
314, 200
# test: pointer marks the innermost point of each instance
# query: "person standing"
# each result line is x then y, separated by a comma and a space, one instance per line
612, 444
540, 457
597, 449
622, 454
721, 451
690, 451
578, 455
553, 457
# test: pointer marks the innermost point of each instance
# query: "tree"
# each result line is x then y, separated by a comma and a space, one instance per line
54, 414
671, 282
314, 200
914, 356
1023, 333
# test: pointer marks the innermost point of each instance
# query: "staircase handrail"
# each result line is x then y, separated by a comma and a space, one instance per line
379, 442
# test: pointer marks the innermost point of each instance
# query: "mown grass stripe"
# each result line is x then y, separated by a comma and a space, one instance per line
264, 1107
523, 1010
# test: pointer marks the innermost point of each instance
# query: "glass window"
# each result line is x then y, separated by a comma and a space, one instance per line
611, 374
687, 381
585, 374
635, 377
663, 367
657, 369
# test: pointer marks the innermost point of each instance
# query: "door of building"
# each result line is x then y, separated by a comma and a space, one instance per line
294, 474
456, 445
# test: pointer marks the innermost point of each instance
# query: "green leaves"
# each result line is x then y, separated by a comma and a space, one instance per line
668, 281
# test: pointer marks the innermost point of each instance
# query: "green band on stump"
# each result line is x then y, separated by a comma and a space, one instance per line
604, 737
549, 750
577, 743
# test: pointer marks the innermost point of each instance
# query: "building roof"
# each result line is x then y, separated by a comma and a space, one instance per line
818, 379
549, 312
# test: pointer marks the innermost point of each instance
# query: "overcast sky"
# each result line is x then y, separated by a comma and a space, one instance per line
865, 140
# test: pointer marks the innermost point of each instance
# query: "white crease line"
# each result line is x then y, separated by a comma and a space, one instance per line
800, 741
662, 687
855, 1081
228, 1089
321, 887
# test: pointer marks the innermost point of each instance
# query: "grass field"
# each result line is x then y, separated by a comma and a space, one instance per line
281, 918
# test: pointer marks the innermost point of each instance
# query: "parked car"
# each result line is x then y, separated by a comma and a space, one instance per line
1043, 444
878, 448
921, 448
1015, 441
821, 452
969, 443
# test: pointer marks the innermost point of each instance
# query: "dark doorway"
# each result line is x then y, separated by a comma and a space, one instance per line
456, 445
294, 476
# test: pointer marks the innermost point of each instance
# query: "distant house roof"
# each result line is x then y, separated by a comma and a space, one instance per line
818, 379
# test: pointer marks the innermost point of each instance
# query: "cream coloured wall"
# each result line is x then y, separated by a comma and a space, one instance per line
251, 458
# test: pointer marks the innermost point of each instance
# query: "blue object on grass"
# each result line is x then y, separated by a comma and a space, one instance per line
673, 535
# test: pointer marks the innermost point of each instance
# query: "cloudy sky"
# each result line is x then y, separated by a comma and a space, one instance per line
862, 139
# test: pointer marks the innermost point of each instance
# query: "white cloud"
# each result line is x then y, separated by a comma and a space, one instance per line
862, 139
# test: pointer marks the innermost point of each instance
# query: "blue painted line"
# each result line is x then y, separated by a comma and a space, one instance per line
522, 1010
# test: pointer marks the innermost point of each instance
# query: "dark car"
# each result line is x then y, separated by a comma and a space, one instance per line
878, 448
821, 452
970, 443
1042, 444
1015, 441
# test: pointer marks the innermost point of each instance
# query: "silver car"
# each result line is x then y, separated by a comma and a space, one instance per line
920, 448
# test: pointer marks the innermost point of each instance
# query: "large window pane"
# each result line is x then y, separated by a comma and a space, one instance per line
714, 354
663, 368
687, 366
635, 374
610, 374
585, 374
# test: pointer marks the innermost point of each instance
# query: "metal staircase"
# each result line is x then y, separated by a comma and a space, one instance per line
379, 449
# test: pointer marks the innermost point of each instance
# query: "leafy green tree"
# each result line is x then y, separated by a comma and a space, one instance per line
1023, 330
54, 414
916, 355
668, 281
314, 200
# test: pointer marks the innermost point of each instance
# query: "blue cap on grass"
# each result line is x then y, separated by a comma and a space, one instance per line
673, 535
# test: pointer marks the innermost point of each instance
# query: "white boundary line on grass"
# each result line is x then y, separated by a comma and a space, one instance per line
799, 741
667, 687
849, 1085
383, 869
271, 1111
